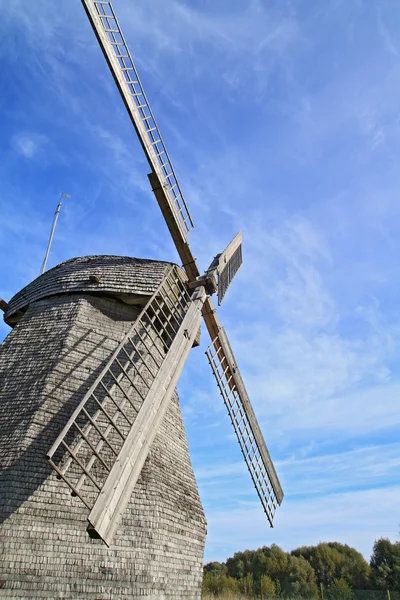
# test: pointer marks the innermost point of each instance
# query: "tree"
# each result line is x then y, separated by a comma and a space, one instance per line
267, 588
324, 560
354, 569
216, 568
299, 579
385, 565
340, 590
210, 584
292, 575
241, 564
216, 580
333, 560
218, 584
246, 585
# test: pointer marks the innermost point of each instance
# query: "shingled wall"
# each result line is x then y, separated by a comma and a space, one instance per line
46, 365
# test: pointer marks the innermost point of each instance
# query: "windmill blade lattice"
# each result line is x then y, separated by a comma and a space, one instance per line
118, 56
248, 432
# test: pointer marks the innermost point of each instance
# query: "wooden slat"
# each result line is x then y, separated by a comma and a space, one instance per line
116, 492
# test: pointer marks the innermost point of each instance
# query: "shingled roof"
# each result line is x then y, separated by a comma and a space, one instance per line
110, 275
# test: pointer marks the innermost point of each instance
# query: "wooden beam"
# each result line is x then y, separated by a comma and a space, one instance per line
182, 246
3, 305
114, 497
211, 319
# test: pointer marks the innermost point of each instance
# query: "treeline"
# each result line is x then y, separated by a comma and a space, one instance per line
330, 571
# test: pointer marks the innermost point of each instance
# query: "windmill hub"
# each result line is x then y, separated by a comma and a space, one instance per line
208, 281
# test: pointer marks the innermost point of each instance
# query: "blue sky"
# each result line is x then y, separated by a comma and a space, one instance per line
282, 118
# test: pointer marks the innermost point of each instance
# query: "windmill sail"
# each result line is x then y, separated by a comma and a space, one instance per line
169, 196
227, 264
228, 272
102, 448
163, 179
245, 424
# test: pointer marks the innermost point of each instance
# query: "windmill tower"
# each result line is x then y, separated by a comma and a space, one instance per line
99, 498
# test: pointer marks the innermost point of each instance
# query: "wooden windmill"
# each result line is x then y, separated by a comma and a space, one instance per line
166, 329
87, 379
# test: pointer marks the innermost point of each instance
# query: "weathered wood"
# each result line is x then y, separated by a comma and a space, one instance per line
165, 194
138, 120
63, 342
182, 246
211, 318
126, 278
226, 265
221, 344
113, 498
222, 259
3, 305
141, 349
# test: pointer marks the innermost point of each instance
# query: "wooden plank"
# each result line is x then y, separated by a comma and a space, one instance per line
116, 492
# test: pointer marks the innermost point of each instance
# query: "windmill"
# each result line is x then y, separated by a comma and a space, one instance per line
92, 363
175, 333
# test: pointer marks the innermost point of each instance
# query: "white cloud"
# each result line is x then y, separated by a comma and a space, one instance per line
28, 144
354, 518
305, 479
387, 39
364, 467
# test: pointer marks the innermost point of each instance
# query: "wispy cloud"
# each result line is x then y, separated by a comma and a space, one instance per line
28, 144
356, 518
363, 467
387, 39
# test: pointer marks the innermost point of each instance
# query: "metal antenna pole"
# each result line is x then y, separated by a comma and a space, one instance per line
63, 195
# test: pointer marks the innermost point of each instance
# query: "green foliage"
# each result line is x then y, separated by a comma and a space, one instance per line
354, 569
340, 590
332, 561
267, 588
246, 585
323, 560
336, 570
216, 581
291, 575
385, 565
216, 568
